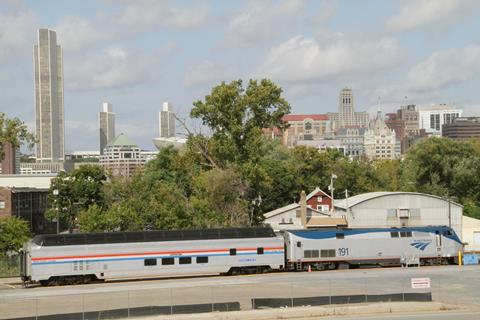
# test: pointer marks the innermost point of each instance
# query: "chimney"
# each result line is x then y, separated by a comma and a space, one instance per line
303, 209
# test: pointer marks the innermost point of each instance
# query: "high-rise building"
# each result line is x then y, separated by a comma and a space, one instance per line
166, 122
462, 128
346, 116
433, 117
106, 119
49, 113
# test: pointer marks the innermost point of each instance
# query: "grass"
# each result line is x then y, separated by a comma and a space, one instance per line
9, 267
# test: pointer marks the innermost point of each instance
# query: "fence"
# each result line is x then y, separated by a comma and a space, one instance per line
222, 294
9, 266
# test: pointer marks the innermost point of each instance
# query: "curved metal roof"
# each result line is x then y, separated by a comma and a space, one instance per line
355, 200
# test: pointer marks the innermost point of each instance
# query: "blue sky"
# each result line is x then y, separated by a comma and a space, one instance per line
137, 54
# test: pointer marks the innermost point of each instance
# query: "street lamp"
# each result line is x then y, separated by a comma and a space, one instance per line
56, 193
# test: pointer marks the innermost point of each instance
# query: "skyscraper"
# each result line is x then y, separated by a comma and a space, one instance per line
106, 119
49, 113
346, 116
166, 122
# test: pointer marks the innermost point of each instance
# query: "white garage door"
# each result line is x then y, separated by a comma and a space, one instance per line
476, 237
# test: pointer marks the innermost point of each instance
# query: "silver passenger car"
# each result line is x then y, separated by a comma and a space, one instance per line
80, 258
333, 248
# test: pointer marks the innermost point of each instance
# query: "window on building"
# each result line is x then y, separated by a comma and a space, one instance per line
319, 198
202, 259
168, 261
185, 260
150, 262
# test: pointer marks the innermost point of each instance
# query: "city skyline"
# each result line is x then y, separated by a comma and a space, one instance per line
177, 52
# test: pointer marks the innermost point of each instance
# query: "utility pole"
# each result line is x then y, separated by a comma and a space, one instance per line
331, 188
55, 193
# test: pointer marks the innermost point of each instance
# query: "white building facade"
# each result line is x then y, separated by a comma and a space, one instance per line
432, 117
379, 140
106, 121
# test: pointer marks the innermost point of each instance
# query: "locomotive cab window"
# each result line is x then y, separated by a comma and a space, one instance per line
259, 250
299, 244
447, 233
185, 260
202, 259
233, 252
168, 261
150, 262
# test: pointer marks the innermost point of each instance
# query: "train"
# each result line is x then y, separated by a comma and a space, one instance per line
86, 257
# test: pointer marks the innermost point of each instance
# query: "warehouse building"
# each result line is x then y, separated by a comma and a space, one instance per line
397, 209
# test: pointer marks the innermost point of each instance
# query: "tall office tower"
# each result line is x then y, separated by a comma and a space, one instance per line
49, 114
106, 119
166, 120
347, 117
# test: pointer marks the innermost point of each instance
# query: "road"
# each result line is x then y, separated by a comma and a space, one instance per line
457, 315
449, 284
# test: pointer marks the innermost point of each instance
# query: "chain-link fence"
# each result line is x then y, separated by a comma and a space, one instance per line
9, 266
199, 296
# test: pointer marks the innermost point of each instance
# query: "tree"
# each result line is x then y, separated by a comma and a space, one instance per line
237, 116
218, 200
14, 132
14, 232
73, 192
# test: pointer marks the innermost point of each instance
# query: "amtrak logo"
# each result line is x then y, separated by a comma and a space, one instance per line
421, 245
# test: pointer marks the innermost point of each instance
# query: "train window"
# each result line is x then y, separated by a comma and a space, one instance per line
315, 253
327, 253
340, 236
185, 260
394, 234
307, 253
233, 252
202, 259
299, 244
259, 250
406, 234
403, 234
150, 262
168, 261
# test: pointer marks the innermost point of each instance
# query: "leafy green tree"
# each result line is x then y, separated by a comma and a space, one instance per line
73, 192
14, 232
237, 115
14, 132
218, 200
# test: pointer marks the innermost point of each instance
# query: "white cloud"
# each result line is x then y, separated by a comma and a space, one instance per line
261, 21
17, 33
445, 68
142, 13
75, 33
113, 67
207, 73
305, 59
419, 13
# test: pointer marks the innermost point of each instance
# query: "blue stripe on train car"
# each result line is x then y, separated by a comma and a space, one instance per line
331, 233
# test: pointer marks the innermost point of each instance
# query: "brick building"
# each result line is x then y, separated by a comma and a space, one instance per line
29, 204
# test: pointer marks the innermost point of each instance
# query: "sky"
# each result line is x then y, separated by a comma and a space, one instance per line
137, 54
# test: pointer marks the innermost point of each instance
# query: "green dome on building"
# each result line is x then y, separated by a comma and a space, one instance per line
122, 140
